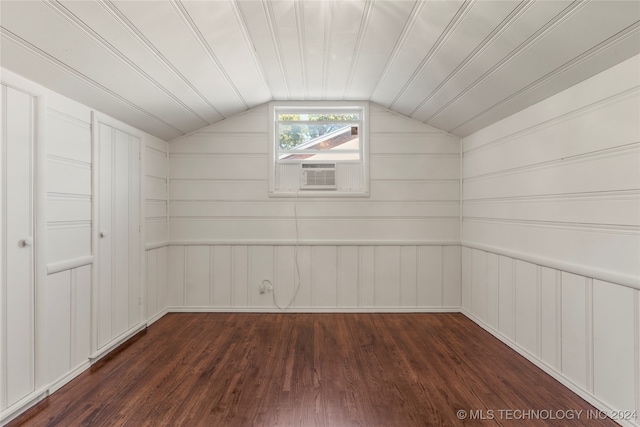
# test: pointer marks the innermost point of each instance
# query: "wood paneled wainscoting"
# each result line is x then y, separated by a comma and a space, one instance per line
230, 369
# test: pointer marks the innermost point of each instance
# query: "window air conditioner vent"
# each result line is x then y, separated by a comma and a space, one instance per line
318, 176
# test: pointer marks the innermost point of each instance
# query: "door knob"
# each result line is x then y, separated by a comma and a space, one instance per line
28, 241
103, 234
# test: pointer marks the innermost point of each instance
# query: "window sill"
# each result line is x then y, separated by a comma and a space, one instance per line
319, 194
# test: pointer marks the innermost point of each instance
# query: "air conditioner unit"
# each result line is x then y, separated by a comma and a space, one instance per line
318, 176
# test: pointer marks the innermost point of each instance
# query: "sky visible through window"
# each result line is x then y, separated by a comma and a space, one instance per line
296, 129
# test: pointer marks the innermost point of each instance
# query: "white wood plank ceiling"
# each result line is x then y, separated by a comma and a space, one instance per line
171, 67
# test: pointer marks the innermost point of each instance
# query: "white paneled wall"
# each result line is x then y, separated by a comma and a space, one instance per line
63, 216
68, 314
156, 225
69, 240
560, 181
332, 278
18, 338
583, 331
388, 251
156, 207
118, 286
551, 235
69, 192
63, 330
157, 283
219, 188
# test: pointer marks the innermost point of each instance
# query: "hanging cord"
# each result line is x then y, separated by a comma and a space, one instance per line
296, 278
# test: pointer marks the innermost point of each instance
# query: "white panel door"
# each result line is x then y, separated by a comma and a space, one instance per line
118, 285
18, 293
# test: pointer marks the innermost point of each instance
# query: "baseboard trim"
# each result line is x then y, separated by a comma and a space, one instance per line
157, 316
313, 242
314, 310
590, 398
113, 345
22, 405
69, 376
28, 402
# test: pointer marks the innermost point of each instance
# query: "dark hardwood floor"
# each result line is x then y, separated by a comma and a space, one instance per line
313, 370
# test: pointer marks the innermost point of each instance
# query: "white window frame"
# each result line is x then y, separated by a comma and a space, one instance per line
278, 107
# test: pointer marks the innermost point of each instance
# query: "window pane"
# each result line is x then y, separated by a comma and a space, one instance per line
318, 117
326, 136
326, 156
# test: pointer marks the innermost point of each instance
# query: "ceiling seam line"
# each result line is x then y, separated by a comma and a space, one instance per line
80, 25
77, 74
455, 22
275, 39
534, 38
197, 34
112, 9
326, 45
237, 10
364, 24
515, 14
413, 19
633, 29
299, 13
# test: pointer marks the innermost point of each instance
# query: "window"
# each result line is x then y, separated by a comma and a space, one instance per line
318, 149
307, 135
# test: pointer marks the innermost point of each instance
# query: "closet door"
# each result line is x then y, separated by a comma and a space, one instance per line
17, 208
118, 288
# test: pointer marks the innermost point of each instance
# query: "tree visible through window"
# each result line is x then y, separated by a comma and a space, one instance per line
322, 135
292, 135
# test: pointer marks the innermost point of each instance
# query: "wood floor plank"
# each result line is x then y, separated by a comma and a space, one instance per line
231, 369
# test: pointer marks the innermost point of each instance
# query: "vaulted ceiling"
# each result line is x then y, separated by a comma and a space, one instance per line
171, 67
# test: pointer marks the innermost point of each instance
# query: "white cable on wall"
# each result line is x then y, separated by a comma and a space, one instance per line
296, 278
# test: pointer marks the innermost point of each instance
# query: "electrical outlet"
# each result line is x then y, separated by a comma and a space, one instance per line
265, 286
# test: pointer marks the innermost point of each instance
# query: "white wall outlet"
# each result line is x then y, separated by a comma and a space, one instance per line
265, 286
